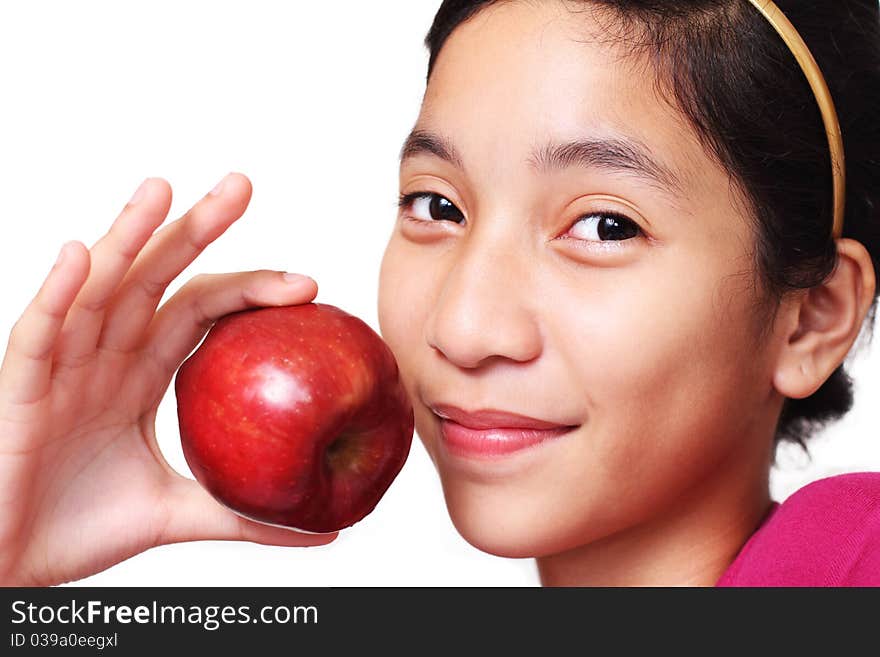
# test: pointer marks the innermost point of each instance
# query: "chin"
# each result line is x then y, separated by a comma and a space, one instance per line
502, 527
497, 541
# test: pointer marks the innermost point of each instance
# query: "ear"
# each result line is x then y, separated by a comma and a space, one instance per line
821, 324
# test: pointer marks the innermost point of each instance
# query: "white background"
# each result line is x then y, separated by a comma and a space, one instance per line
312, 101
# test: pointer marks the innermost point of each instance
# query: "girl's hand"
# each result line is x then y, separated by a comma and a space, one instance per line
83, 484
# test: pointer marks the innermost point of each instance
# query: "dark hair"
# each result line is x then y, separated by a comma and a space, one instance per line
743, 92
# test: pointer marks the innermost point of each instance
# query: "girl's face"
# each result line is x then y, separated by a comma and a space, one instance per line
574, 256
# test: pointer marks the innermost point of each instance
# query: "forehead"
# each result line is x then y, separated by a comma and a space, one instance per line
523, 73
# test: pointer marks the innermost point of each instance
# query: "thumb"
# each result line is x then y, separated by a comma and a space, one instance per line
193, 515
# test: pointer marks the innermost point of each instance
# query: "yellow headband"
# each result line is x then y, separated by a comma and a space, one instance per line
820, 89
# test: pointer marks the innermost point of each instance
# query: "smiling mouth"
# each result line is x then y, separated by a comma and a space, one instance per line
494, 442
491, 418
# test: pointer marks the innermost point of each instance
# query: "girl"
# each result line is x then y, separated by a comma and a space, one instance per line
620, 275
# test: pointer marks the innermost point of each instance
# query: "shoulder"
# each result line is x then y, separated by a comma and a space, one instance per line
825, 534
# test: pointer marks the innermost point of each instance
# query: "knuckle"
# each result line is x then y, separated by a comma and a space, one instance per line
152, 289
249, 297
195, 240
18, 331
76, 361
92, 305
200, 281
128, 248
40, 306
203, 318
253, 285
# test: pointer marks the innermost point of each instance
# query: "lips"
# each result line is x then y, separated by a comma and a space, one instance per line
491, 432
491, 419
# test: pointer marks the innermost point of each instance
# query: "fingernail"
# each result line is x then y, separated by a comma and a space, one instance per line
218, 188
60, 257
138, 195
290, 277
61, 254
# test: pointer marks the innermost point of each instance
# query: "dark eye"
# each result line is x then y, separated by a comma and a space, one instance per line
427, 206
605, 227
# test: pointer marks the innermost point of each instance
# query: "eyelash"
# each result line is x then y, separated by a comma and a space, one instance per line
406, 200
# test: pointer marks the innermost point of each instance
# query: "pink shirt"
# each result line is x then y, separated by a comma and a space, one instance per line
825, 534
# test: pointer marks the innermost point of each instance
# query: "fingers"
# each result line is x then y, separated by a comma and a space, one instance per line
195, 516
111, 258
165, 256
182, 322
25, 376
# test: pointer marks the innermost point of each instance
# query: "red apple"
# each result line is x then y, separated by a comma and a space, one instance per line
294, 416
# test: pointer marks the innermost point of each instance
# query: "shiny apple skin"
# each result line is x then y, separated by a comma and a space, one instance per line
267, 393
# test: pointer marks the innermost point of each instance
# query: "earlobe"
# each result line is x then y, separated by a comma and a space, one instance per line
796, 375
821, 325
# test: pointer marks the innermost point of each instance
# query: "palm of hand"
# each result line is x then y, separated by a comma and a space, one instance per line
83, 484
94, 466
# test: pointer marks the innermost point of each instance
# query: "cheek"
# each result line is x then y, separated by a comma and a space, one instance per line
663, 349
399, 298
666, 371
405, 299
407, 291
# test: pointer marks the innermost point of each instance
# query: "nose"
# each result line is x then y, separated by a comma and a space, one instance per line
486, 307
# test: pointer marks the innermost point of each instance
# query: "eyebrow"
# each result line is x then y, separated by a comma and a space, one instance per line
616, 154
421, 142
